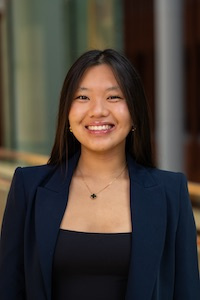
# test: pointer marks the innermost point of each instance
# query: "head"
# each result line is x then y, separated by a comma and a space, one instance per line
138, 142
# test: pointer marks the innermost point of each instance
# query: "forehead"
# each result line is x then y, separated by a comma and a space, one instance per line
100, 74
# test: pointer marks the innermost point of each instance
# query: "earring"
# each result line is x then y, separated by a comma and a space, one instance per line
70, 129
133, 128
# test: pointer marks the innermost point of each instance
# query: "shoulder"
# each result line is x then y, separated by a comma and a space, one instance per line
167, 178
149, 176
175, 188
35, 172
173, 184
34, 176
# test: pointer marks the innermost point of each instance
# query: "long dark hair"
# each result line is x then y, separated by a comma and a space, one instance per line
138, 143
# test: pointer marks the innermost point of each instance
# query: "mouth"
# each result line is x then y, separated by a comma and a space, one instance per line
104, 127
100, 129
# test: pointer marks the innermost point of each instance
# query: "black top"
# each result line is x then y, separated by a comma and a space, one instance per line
91, 266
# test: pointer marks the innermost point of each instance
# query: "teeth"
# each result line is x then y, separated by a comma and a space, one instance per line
100, 127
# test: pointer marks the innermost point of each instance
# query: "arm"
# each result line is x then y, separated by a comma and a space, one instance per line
187, 284
12, 282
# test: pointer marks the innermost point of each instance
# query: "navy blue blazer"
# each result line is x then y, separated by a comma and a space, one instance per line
163, 262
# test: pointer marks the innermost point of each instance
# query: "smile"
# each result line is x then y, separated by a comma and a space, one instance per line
99, 127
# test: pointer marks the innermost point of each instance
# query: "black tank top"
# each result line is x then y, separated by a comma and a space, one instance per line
91, 266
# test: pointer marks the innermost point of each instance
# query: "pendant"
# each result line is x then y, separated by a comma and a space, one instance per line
93, 196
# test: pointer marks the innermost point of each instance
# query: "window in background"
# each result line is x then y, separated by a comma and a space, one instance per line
42, 39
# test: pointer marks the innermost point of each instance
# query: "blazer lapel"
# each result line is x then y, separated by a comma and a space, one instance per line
148, 209
50, 204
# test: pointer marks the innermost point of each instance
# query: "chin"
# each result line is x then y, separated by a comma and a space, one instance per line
105, 148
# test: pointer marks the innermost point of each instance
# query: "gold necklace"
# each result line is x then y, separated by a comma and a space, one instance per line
94, 195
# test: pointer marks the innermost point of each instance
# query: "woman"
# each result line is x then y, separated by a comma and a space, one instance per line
99, 221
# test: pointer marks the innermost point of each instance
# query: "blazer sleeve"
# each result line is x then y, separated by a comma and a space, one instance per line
187, 284
12, 281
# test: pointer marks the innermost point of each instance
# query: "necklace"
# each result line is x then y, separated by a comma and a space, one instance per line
94, 195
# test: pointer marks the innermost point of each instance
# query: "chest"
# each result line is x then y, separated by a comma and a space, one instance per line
108, 212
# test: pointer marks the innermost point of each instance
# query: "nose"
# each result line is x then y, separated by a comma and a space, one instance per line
98, 108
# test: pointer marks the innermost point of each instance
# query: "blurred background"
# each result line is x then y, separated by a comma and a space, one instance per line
39, 40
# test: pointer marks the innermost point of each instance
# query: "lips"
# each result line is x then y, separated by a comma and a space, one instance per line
99, 127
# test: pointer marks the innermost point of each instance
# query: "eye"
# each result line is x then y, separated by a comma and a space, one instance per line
82, 97
114, 98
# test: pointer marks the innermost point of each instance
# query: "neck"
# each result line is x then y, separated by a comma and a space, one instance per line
101, 164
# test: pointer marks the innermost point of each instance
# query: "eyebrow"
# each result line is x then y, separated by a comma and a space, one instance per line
112, 88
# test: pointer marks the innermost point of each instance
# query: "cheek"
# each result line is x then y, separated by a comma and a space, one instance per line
71, 113
71, 116
75, 114
125, 114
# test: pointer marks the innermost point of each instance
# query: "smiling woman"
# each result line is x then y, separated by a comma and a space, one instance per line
99, 221
126, 82
99, 115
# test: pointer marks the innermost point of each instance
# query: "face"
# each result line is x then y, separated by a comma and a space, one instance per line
99, 115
